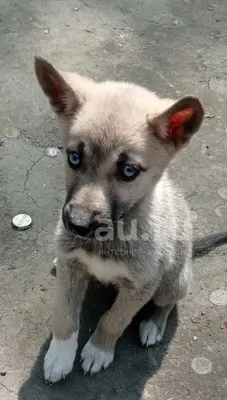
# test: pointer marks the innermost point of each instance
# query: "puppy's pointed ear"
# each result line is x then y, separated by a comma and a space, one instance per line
62, 97
179, 122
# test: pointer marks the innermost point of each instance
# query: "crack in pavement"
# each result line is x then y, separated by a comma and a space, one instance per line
34, 201
26, 181
30, 170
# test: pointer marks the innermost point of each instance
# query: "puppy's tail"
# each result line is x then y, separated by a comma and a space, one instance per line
204, 245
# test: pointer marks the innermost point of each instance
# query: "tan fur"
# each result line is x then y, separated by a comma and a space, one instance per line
114, 119
67, 310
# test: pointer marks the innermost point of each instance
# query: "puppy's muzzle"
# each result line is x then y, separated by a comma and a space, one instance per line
80, 221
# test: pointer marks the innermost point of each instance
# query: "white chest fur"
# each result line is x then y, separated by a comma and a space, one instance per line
106, 271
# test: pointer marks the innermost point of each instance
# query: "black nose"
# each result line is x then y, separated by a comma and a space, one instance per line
81, 230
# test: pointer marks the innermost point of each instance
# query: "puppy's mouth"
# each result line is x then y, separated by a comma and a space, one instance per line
93, 231
91, 226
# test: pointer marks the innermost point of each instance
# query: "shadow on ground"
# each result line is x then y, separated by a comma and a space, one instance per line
125, 378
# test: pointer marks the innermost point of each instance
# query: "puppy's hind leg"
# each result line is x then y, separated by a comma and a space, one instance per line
152, 330
171, 290
72, 282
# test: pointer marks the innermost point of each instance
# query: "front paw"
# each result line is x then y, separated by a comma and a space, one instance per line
94, 359
60, 357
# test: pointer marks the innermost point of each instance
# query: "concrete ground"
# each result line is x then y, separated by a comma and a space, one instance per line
175, 48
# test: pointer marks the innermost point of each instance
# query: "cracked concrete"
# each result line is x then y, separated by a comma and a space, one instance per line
175, 48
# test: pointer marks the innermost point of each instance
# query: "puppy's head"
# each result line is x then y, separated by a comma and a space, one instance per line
118, 140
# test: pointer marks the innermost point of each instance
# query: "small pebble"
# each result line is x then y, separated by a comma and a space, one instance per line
195, 338
21, 222
209, 116
51, 151
12, 133
220, 211
176, 22
219, 297
223, 193
201, 365
196, 320
53, 271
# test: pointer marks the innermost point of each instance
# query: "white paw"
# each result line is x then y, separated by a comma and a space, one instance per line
94, 359
149, 333
60, 357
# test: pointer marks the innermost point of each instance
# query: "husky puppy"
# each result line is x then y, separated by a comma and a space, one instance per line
123, 220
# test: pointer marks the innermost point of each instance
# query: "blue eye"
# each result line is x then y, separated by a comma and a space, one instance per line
129, 172
74, 159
